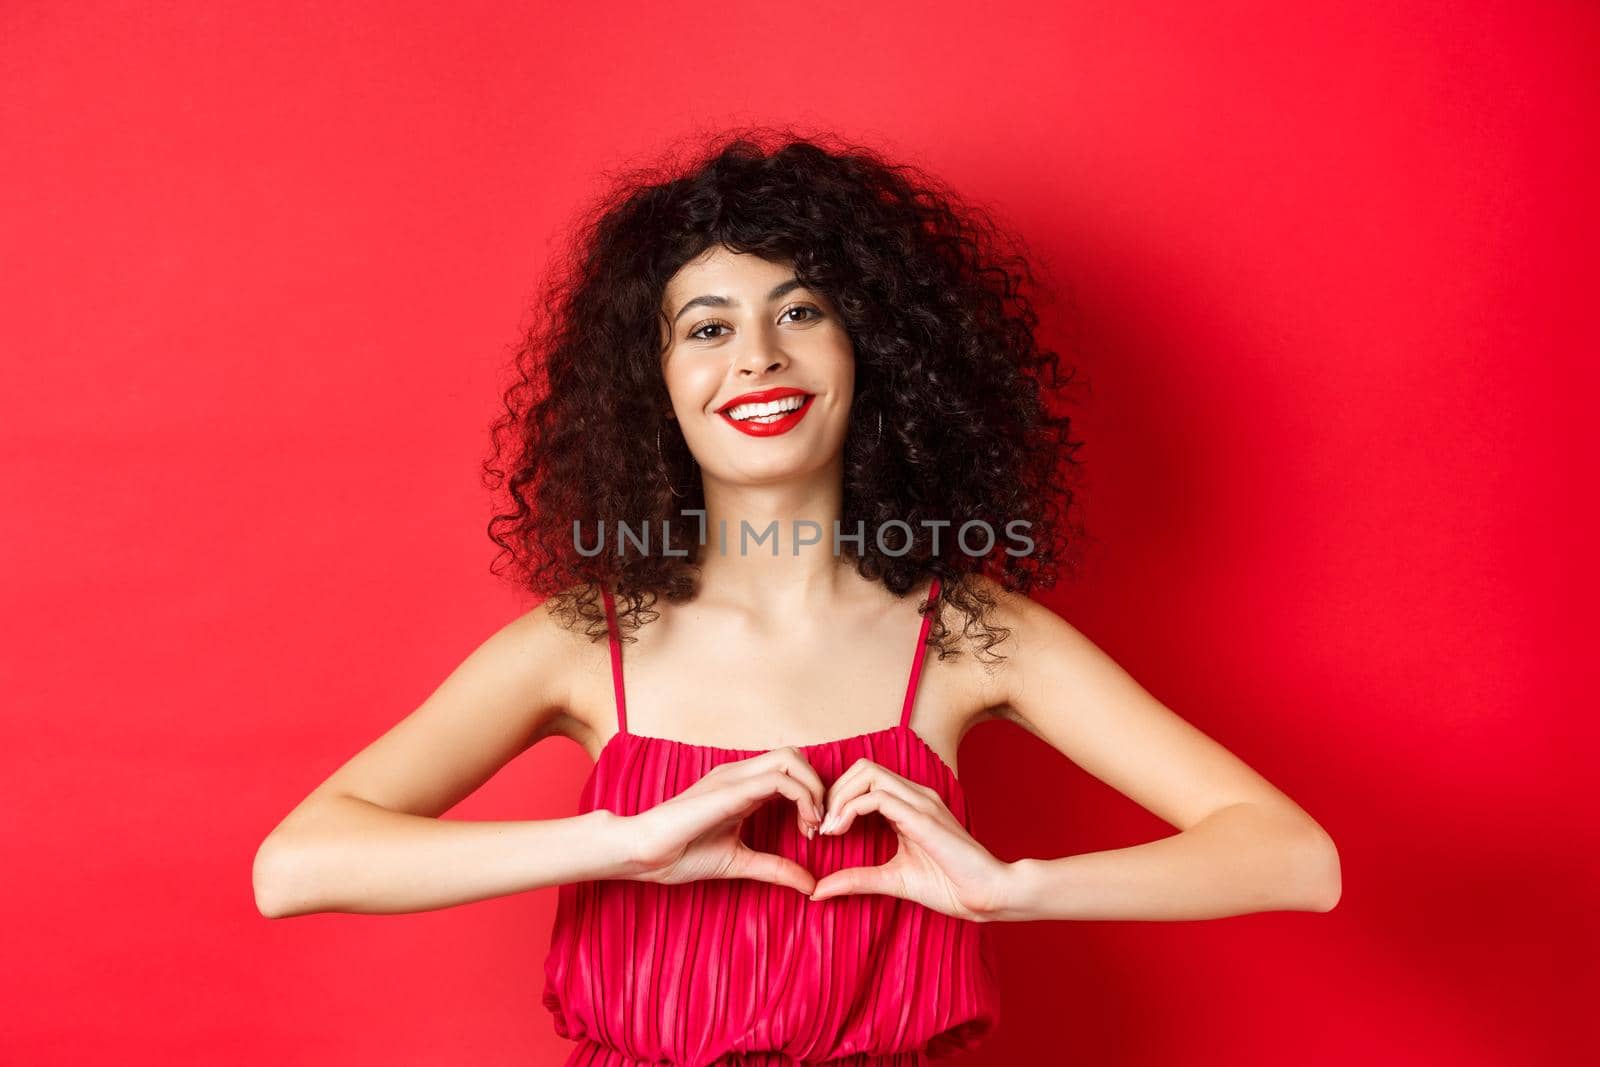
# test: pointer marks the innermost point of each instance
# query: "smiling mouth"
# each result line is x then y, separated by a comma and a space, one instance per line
768, 418
768, 412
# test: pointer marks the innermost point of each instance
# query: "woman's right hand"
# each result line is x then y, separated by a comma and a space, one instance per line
695, 835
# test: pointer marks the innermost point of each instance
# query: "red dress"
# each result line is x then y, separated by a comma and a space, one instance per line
740, 971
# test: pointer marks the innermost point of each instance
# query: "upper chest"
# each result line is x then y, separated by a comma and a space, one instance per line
706, 679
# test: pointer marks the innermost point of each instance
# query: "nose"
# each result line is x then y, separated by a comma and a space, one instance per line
760, 357
756, 370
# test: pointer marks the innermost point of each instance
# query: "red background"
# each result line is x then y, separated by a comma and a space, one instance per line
263, 265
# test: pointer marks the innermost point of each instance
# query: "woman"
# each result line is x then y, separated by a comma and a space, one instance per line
781, 395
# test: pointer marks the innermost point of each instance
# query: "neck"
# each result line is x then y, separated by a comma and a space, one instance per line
755, 540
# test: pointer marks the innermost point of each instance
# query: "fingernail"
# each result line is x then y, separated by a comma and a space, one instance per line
827, 824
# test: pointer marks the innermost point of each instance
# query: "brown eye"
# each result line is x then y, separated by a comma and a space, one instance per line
694, 334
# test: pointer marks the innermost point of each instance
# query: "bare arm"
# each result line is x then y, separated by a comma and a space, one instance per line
369, 839
1243, 859
1242, 846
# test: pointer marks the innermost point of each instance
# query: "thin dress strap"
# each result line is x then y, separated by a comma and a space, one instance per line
616, 661
921, 653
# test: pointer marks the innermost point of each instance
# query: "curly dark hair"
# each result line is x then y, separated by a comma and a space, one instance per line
931, 292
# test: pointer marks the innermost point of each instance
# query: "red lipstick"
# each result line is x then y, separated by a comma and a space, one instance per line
769, 427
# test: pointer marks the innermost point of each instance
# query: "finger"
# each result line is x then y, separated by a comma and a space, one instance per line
791, 761
796, 766
720, 798
760, 789
848, 783
883, 878
908, 818
876, 779
767, 867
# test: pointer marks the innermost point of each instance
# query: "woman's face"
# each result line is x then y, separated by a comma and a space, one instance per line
742, 325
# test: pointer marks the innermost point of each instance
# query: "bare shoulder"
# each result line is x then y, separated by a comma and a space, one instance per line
531, 644
960, 685
570, 660
1021, 626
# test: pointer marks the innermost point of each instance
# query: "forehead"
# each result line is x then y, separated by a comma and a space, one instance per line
718, 269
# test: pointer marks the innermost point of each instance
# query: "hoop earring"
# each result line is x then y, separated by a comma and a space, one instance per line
665, 474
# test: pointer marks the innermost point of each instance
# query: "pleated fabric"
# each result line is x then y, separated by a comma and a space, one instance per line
742, 972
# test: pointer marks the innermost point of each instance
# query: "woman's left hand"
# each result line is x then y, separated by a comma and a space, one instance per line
938, 865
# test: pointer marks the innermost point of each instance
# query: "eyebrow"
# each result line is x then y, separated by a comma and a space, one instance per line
725, 301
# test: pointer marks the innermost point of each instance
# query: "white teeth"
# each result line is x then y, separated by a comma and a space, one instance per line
773, 408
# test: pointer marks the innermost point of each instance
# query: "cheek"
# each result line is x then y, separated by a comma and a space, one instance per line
844, 370
692, 388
